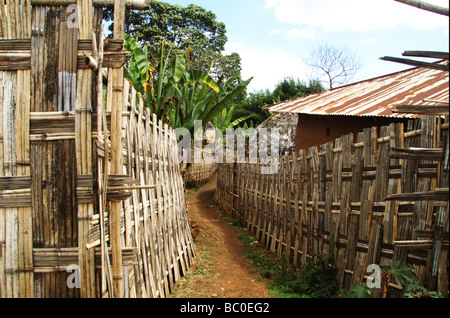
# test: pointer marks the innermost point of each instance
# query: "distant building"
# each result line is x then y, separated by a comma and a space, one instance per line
324, 116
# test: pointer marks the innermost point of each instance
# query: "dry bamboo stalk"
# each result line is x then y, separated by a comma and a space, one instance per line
106, 275
151, 186
19, 237
83, 140
130, 4
426, 6
116, 153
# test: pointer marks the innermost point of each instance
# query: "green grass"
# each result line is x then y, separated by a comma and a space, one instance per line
192, 184
316, 279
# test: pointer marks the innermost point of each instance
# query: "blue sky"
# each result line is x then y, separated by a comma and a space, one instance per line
273, 37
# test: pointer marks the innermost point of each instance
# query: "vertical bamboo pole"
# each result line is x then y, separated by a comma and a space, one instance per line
16, 240
83, 145
116, 153
23, 158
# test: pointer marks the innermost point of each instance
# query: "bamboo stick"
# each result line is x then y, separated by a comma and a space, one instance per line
367, 229
116, 153
434, 66
426, 6
130, 4
83, 140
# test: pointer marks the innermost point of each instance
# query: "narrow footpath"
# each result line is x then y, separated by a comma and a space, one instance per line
221, 269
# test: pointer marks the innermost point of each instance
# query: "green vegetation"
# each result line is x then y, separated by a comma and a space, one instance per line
192, 184
178, 67
288, 88
402, 276
315, 279
183, 28
177, 95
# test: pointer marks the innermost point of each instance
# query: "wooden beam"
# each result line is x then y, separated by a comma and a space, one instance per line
431, 54
130, 4
415, 63
417, 153
436, 195
116, 153
437, 110
58, 259
18, 45
435, 101
426, 6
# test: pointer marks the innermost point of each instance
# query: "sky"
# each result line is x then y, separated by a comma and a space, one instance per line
274, 37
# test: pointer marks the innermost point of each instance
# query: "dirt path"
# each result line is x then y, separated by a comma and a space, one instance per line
221, 269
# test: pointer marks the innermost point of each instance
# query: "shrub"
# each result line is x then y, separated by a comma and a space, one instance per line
317, 278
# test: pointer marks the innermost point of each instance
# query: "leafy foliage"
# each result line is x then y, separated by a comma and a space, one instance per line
318, 278
223, 121
403, 276
183, 28
401, 273
286, 89
176, 94
360, 291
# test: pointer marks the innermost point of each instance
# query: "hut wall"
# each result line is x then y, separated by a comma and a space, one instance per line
319, 129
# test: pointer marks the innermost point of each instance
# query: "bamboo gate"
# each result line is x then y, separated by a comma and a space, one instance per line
91, 195
380, 197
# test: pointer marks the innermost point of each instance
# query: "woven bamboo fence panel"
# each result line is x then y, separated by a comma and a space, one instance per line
200, 173
154, 217
380, 195
91, 194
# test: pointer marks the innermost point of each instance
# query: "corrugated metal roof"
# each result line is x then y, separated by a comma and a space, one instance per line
374, 97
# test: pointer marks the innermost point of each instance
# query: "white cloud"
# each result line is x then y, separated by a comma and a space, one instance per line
369, 41
296, 33
267, 66
274, 32
357, 15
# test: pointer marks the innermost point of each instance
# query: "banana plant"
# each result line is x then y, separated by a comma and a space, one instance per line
175, 94
160, 85
205, 105
223, 121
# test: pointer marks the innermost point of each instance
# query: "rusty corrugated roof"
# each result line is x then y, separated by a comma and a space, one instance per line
374, 97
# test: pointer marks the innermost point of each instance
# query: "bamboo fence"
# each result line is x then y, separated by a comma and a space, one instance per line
199, 173
380, 195
85, 183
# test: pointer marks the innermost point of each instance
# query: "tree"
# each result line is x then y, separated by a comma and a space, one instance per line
176, 94
183, 28
223, 121
288, 88
337, 65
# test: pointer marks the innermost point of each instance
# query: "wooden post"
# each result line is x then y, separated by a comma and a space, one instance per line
83, 144
131, 4
16, 231
116, 153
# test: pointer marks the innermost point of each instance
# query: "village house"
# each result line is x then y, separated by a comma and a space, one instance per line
324, 116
